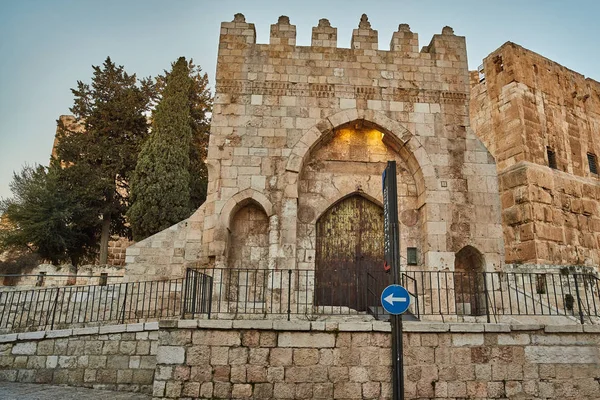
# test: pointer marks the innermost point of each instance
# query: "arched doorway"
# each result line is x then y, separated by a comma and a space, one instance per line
349, 247
469, 282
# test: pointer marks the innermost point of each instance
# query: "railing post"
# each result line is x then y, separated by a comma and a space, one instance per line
210, 293
289, 309
487, 304
184, 295
578, 299
54, 310
124, 303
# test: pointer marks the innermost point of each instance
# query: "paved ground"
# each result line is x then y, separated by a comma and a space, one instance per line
31, 391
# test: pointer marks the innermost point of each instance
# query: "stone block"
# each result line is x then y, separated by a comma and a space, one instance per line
86, 331
253, 324
355, 326
305, 339
12, 337
135, 327
215, 324
466, 327
32, 335
291, 325
170, 355
25, 348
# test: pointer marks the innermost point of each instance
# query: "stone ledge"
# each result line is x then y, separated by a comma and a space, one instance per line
112, 329
32, 335
11, 337
261, 324
86, 331
467, 327
526, 327
355, 326
60, 333
563, 329
496, 328
425, 327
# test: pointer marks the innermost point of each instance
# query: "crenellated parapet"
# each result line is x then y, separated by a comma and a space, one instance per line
237, 31
324, 35
283, 32
363, 38
405, 40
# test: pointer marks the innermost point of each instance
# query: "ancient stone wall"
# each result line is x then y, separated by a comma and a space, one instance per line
297, 128
525, 106
329, 360
114, 357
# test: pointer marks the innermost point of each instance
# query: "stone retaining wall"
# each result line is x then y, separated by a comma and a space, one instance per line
262, 359
318, 360
115, 357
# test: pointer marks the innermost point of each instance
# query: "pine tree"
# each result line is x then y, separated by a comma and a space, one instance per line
99, 162
161, 184
46, 218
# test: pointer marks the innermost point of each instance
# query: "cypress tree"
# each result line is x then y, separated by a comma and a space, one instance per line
160, 188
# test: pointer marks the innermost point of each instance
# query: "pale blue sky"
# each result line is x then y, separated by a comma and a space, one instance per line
46, 46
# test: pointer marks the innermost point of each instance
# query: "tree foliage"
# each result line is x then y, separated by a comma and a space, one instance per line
99, 162
44, 217
170, 177
200, 103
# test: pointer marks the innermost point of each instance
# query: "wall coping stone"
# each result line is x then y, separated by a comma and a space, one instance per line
469, 327
59, 333
263, 324
93, 330
291, 325
563, 329
591, 328
62, 333
113, 329
215, 323
526, 327
31, 335
151, 326
139, 327
12, 337
355, 326
496, 328
315, 326
187, 323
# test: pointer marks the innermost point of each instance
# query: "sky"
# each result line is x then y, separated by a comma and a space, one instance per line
47, 46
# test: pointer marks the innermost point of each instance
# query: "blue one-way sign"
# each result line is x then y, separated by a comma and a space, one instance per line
395, 299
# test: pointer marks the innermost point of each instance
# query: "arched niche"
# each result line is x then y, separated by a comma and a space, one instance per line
248, 253
469, 281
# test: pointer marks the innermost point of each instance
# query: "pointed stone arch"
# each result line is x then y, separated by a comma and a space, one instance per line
239, 200
395, 135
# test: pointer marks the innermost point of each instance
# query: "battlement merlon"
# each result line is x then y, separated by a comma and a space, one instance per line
446, 46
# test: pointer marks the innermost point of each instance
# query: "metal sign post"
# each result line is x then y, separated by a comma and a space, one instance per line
392, 258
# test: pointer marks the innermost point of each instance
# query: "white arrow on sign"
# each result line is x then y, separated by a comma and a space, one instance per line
391, 299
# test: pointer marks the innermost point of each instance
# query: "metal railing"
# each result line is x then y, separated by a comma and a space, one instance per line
89, 305
261, 293
490, 295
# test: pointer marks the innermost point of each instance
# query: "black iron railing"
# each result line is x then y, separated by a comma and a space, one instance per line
258, 293
489, 295
73, 306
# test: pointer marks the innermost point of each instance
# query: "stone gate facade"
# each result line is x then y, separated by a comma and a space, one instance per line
298, 129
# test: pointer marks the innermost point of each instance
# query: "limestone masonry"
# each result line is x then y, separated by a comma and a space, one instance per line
541, 121
299, 138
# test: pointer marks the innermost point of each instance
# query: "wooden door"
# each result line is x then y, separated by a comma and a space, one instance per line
349, 253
